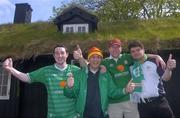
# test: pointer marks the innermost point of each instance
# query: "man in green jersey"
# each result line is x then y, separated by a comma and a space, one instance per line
118, 65
54, 78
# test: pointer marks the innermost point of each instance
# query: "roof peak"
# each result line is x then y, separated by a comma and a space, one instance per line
74, 5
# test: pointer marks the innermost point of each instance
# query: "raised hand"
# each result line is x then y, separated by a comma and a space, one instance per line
171, 63
130, 87
70, 80
77, 54
103, 69
8, 64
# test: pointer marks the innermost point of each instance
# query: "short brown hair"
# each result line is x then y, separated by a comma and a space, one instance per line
134, 44
61, 46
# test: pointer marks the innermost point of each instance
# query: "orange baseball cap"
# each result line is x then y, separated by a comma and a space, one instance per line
115, 41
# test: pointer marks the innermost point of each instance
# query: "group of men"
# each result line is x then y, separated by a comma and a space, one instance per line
121, 85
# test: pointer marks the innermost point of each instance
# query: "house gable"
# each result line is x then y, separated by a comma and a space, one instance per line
76, 15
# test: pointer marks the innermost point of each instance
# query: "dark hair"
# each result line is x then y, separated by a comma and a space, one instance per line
61, 46
134, 44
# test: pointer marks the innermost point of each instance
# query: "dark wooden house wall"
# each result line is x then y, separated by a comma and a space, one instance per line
172, 87
33, 97
9, 108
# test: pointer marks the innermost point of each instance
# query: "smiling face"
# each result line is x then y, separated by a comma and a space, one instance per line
137, 53
136, 49
60, 55
95, 61
115, 50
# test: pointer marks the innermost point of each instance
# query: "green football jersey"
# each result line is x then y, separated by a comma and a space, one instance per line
54, 79
120, 71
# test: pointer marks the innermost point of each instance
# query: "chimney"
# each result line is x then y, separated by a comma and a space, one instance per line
23, 13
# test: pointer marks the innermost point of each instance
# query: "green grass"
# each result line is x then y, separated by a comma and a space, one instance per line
163, 29
25, 40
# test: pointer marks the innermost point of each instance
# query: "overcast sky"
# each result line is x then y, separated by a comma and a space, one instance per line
42, 9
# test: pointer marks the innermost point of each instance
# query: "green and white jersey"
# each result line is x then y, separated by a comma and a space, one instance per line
120, 71
54, 79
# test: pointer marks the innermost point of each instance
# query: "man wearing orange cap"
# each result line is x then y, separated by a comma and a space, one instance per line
118, 65
92, 88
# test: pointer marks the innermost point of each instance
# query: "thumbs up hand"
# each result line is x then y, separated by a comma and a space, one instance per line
8, 64
70, 81
130, 87
171, 63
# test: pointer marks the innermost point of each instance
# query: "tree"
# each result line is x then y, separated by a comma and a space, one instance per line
57, 11
120, 10
152, 9
93, 5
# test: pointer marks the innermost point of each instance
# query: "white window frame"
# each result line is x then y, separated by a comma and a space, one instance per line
7, 96
75, 28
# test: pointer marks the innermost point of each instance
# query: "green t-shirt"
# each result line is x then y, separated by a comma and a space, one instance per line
59, 106
120, 71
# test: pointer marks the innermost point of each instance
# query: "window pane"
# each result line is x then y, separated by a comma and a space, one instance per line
83, 29
79, 29
5, 77
4, 90
71, 29
1, 80
67, 29
1, 70
5, 80
0, 90
4, 83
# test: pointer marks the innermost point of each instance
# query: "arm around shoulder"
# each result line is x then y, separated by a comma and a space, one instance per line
159, 60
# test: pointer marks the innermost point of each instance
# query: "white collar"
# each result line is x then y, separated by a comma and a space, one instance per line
61, 69
93, 71
115, 59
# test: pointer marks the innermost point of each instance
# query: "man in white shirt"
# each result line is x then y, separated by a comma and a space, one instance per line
150, 93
